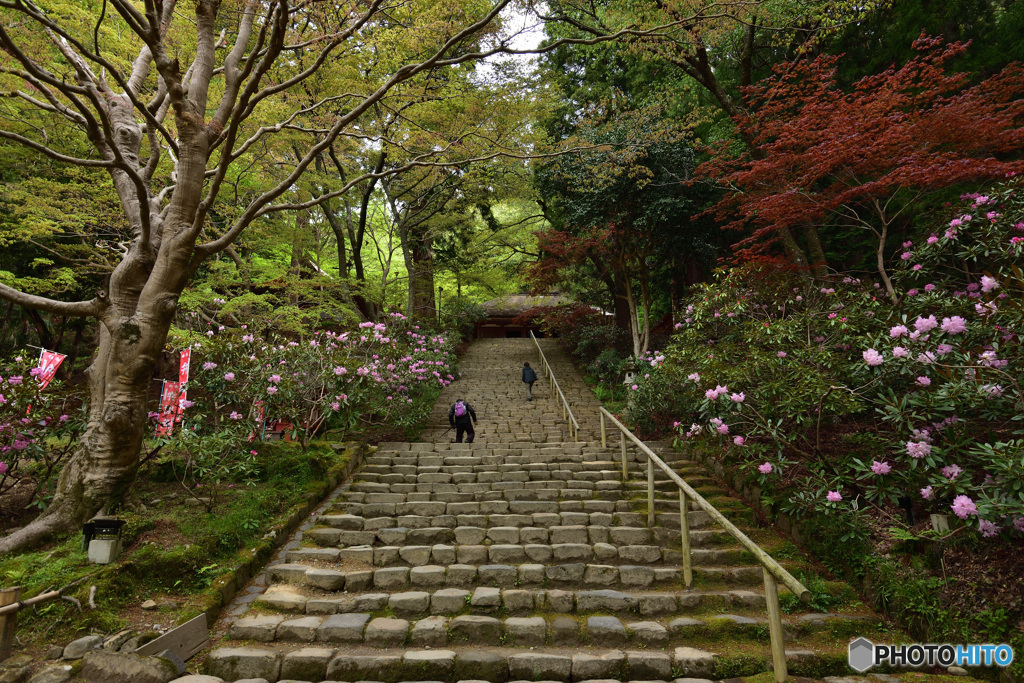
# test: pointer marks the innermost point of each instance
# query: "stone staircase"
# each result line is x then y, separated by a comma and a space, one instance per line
520, 557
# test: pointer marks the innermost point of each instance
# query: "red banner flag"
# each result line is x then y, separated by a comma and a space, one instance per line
49, 361
183, 366
168, 411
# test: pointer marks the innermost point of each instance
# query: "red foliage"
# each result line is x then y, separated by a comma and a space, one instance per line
821, 152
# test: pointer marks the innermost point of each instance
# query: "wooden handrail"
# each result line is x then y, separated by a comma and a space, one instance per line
574, 425
771, 569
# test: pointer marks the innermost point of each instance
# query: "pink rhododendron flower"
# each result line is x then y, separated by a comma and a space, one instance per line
917, 266
693, 377
906, 256
235, 415
898, 331
881, 467
209, 365
952, 471
229, 376
872, 357
739, 398
275, 378
987, 528
335, 406
1018, 524
918, 449
933, 238
988, 283
900, 352
923, 324
954, 325
781, 354
738, 440
271, 390
634, 387
963, 507
927, 492
927, 357
929, 287
765, 468
834, 496
723, 428
923, 381
3, 468
993, 390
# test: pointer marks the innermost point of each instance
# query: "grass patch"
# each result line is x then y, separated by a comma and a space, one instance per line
173, 547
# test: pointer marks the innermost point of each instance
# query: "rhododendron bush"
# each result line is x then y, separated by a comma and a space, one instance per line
765, 362
388, 372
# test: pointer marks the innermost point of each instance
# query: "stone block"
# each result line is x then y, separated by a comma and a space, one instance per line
233, 663
376, 667
471, 554
653, 604
288, 573
480, 665
427, 576
526, 631
299, 630
576, 533
486, 597
633, 575
386, 632
649, 633
430, 632
342, 628
307, 664
325, 579
643, 554
284, 598
391, 578
503, 575
605, 551
415, 555
394, 536
692, 662
470, 535
410, 603
606, 631
428, 665
566, 573
443, 554
531, 666
260, 627
506, 554
648, 666
605, 601
472, 628
371, 602
601, 575
590, 667
560, 601
517, 600
503, 535
531, 574
448, 600
362, 554
460, 575
358, 580
538, 552
564, 631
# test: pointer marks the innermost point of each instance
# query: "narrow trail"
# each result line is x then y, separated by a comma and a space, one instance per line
521, 557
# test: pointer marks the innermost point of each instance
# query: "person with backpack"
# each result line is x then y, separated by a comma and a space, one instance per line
529, 377
462, 416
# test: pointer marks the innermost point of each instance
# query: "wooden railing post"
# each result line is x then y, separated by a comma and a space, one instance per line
622, 442
650, 493
771, 596
684, 535
8, 596
604, 435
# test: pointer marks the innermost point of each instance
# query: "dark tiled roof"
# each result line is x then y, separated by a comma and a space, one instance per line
512, 305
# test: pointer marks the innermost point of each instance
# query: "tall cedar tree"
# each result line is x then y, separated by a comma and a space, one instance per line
863, 157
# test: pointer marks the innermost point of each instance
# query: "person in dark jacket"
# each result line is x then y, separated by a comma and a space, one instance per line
462, 416
529, 377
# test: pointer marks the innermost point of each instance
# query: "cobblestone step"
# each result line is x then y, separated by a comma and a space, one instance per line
407, 623
523, 556
467, 663
518, 601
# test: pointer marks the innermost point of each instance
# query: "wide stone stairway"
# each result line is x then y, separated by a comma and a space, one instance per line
521, 557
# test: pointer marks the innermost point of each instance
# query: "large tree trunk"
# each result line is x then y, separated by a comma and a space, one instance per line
419, 261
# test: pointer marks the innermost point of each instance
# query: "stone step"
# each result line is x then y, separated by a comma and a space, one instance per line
480, 515
518, 601
459, 465
397, 492
487, 507
464, 474
405, 621
299, 570
470, 663
332, 536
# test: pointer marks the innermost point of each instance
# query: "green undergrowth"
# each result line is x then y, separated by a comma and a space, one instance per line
175, 547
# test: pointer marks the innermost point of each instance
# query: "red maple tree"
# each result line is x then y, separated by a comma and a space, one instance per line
824, 155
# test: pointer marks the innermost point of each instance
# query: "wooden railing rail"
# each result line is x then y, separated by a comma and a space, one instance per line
772, 570
574, 425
